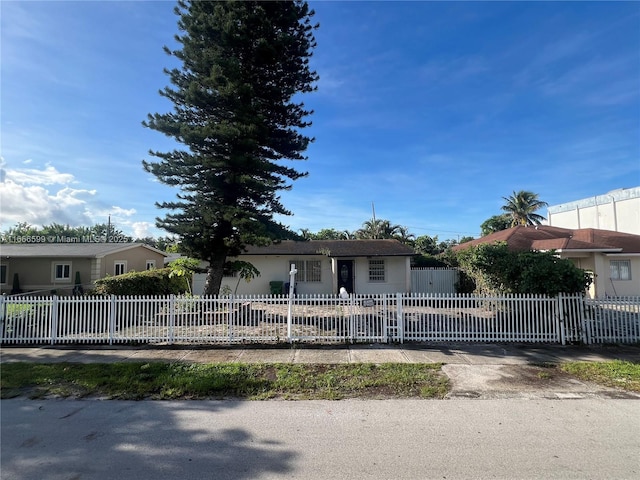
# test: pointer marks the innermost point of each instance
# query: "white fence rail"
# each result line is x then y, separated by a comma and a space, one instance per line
325, 319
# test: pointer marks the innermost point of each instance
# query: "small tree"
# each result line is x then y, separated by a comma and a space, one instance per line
495, 224
185, 268
246, 271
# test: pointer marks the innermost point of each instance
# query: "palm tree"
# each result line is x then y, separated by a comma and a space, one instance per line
521, 207
377, 229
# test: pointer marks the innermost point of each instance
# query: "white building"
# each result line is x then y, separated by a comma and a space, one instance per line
618, 211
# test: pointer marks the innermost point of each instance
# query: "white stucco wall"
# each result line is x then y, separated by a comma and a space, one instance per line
277, 267
618, 211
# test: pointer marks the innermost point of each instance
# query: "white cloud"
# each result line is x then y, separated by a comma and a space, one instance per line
31, 176
143, 229
45, 196
37, 206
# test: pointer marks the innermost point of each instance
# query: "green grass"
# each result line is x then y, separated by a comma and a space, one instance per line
620, 374
224, 380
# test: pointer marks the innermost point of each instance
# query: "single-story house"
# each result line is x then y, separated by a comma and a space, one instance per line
46, 267
613, 257
324, 266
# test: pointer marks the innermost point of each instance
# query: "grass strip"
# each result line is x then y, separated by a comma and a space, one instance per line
617, 373
223, 380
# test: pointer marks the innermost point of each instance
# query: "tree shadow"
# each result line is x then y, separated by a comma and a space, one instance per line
74, 439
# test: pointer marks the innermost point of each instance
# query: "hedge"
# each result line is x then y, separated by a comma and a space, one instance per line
149, 282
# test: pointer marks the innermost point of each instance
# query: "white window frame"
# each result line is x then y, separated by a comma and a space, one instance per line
118, 263
151, 265
6, 274
66, 268
309, 271
620, 270
377, 270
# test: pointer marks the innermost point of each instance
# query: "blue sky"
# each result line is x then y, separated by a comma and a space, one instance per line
431, 111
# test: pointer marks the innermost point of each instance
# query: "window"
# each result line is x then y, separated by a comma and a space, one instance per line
308, 270
3, 274
228, 271
376, 270
119, 268
151, 264
62, 271
620, 269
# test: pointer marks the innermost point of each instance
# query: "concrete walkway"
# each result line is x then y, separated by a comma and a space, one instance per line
485, 371
448, 353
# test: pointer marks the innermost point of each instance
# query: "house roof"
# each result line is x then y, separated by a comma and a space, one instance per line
84, 250
544, 237
335, 248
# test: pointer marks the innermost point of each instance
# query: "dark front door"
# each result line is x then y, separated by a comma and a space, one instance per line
345, 275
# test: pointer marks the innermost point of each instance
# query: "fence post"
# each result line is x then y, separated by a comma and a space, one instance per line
586, 337
112, 319
3, 315
172, 317
230, 316
561, 329
54, 318
400, 317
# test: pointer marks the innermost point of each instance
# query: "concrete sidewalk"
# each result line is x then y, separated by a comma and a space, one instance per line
447, 353
482, 371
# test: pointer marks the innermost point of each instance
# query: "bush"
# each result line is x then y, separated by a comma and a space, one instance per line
496, 269
150, 282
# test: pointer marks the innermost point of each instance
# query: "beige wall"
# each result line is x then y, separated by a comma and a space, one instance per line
622, 288
603, 285
135, 260
37, 274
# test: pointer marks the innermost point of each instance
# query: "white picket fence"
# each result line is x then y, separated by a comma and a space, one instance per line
324, 319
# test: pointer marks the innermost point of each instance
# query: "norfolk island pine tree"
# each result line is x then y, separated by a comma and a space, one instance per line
242, 64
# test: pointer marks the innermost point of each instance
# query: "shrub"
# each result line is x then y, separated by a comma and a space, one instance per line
149, 282
496, 269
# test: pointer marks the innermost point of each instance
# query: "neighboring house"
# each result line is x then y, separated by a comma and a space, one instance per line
46, 267
618, 210
324, 266
613, 257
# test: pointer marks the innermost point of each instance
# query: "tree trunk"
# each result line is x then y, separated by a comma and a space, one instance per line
214, 275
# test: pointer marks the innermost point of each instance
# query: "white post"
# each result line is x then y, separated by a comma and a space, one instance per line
112, 319
54, 318
400, 317
172, 317
3, 314
292, 283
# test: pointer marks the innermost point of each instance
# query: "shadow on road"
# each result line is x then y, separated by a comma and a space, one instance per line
143, 440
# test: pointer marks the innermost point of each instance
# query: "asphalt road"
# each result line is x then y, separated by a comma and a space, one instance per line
353, 439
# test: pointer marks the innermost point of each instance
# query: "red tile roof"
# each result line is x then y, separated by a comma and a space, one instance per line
544, 237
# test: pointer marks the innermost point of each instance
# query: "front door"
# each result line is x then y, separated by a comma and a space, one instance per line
345, 275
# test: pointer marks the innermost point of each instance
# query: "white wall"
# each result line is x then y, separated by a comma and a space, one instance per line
277, 267
396, 271
618, 211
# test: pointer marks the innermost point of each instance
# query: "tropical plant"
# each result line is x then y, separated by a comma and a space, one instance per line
521, 207
495, 224
495, 269
378, 229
